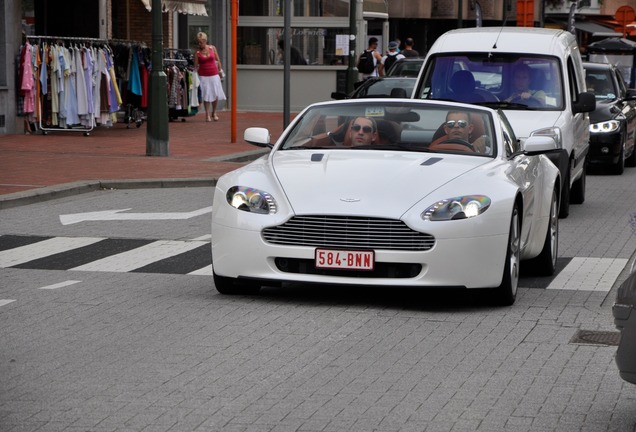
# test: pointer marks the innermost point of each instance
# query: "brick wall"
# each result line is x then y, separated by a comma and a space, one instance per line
136, 23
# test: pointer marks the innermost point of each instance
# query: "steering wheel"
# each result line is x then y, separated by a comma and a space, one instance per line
531, 101
459, 141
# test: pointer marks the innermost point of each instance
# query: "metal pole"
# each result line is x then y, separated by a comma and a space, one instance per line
233, 94
352, 70
287, 61
157, 130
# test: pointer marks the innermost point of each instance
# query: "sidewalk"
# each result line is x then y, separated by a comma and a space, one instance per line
36, 165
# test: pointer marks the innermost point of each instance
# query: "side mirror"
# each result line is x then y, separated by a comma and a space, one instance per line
631, 94
537, 144
257, 136
586, 102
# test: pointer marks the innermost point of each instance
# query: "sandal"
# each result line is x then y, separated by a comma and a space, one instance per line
216, 118
207, 118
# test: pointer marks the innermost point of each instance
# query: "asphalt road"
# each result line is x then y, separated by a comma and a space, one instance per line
111, 340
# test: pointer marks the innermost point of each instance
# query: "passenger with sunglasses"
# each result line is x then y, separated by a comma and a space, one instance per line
363, 131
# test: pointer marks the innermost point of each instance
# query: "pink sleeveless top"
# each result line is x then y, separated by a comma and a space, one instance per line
207, 65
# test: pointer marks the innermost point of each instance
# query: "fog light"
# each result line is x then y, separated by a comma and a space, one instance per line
605, 150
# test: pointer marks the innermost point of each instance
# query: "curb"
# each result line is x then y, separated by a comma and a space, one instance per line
69, 189
75, 188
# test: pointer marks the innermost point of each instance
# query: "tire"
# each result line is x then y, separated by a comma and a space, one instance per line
631, 160
231, 286
506, 293
577, 194
545, 263
564, 204
619, 167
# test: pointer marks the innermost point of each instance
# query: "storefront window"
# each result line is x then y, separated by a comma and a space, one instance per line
316, 46
305, 8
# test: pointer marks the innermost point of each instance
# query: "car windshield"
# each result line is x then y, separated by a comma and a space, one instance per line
399, 126
406, 68
600, 83
507, 81
387, 87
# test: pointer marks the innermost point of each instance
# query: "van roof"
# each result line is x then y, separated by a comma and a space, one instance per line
505, 39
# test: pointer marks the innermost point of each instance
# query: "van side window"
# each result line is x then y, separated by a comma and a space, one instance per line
574, 86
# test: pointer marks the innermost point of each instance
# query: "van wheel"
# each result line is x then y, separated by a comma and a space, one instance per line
564, 205
577, 195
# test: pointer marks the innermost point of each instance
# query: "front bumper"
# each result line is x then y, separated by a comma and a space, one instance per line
240, 253
605, 148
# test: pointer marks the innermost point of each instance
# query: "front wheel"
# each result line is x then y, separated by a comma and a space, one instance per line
506, 293
619, 167
545, 263
232, 286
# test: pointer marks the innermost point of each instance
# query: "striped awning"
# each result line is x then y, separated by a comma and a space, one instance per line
188, 7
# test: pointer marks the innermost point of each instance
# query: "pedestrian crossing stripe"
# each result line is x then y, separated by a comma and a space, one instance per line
193, 257
589, 274
106, 255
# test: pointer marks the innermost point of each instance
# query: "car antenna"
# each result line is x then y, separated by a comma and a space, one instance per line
494, 46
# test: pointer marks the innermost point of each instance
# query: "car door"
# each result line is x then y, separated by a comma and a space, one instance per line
628, 107
579, 126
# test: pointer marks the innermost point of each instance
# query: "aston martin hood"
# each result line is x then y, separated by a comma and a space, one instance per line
351, 181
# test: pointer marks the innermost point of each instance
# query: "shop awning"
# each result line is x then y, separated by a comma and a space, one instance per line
595, 29
189, 7
375, 9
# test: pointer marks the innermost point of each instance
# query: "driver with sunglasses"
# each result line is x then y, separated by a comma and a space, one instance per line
458, 128
363, 131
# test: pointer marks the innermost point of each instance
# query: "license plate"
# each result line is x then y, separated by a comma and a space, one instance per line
344, 260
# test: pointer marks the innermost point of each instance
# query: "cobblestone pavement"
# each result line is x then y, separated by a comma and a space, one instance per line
150, 352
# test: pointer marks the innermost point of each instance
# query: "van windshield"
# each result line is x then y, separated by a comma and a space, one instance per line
508, 81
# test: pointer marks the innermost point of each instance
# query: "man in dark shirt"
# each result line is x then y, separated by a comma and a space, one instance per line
409, 51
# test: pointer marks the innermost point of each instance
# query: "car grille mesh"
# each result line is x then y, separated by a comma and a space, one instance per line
348, 232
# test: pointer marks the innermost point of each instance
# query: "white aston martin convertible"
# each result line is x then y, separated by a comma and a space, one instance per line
389, 192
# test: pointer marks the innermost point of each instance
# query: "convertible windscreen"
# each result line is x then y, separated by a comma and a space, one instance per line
394, 126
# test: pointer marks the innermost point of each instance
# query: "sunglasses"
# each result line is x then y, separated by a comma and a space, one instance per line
365, 129
461, 123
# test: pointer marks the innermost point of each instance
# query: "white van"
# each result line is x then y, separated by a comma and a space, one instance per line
534, 75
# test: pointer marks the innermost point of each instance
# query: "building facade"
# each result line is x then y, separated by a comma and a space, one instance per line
319, 31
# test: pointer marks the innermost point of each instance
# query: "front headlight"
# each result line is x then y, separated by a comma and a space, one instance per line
251, 200
462, 207
553, 132
606, 126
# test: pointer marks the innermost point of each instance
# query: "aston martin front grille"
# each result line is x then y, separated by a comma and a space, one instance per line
348, 232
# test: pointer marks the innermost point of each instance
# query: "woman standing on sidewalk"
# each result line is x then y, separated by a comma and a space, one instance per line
208, 64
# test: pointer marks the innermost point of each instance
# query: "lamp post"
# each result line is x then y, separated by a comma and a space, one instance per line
157, 128
352, 70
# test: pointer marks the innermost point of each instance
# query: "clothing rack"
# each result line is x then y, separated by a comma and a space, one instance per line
62, 40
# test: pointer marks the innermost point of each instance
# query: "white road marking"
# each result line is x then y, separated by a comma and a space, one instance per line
205, 271
110, 215
141, 256
5, 302
60, 285
207, 237
22, 254
589, 274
